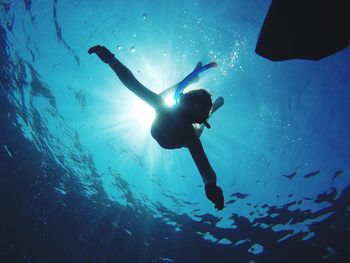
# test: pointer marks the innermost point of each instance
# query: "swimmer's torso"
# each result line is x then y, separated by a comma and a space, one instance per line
170, 129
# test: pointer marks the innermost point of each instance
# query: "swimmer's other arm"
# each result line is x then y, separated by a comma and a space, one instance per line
212, 191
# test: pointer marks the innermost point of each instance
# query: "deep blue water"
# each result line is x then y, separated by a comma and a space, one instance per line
82, 180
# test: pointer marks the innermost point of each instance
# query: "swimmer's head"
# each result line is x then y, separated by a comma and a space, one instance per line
197, 104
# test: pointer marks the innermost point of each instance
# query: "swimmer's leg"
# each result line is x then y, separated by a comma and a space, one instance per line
171, 91
218, 103
126, 76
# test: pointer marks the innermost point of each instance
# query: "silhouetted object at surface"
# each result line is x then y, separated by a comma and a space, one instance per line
311, 29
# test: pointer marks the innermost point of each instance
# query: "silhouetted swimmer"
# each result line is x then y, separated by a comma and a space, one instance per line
173, 126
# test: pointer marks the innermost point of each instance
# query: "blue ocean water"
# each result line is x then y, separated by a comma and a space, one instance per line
82, 180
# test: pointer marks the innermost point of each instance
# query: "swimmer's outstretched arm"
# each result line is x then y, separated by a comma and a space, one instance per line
126, 76
212, 191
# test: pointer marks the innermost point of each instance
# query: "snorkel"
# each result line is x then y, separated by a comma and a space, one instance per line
206, 124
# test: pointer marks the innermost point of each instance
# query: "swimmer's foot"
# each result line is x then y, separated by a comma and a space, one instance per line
196, 78
218, 103
199, 65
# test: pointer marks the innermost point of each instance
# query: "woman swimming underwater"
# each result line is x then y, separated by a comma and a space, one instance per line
173, 126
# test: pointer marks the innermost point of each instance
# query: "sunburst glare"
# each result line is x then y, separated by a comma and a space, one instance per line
141, 114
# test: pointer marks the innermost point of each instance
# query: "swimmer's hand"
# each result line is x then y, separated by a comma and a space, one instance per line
102, 52
214, 194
